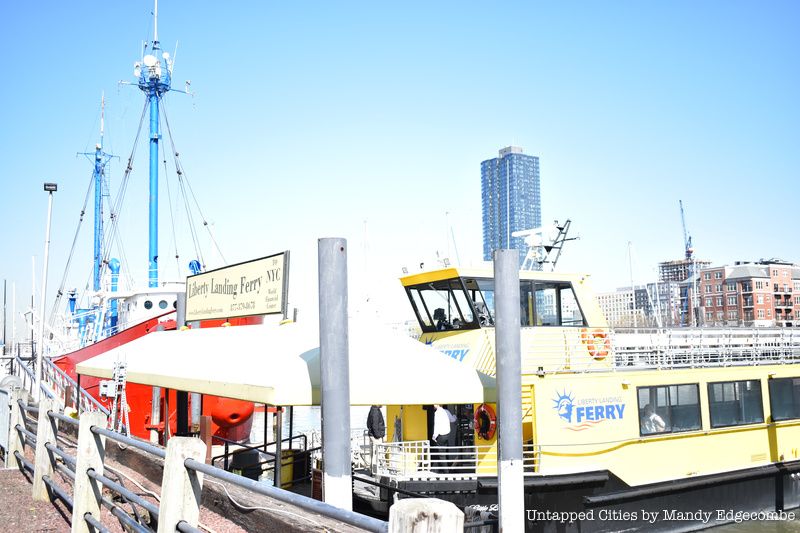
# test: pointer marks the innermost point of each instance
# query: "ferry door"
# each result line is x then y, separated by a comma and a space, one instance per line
465, 427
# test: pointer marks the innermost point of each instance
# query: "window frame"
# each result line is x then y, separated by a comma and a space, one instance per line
671, 431
760, 403
772, 404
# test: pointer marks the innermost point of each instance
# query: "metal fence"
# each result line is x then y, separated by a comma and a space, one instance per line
420, 460
705, 347
90, 480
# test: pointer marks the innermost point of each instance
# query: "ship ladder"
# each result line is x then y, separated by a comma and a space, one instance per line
119, 409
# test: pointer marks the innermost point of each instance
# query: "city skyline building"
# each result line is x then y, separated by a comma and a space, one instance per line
764, 293
510, 200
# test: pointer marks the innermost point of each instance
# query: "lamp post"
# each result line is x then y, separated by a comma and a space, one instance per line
50, 188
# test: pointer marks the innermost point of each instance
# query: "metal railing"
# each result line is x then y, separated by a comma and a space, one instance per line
55, 384
420, 460
705, 347
62, 384
569, 350
355, 519
87, 468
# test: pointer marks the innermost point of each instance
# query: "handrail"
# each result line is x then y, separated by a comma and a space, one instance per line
127, 494
64, 418
83, 392
30, 437
122, 516
326, 509
184, 527
245, 448
58, 491
32, 376
24, 462
67, 458
61, 461
130, 441
96, 525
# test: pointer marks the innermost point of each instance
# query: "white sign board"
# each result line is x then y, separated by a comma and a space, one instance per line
257, 287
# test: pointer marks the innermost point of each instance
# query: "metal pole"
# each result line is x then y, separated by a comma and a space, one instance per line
4, 316
33, 298
50, 188
334, 372
276, 476
153, 218
511, 497
155, 413
13, 317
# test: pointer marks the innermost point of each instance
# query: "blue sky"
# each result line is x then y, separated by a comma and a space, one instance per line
369, 120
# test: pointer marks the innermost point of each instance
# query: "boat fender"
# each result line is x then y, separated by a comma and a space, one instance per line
485, 421
597, 342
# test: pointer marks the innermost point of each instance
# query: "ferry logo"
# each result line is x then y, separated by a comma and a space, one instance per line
587, 413
563, 405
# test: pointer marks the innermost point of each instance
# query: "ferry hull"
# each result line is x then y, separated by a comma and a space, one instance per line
600, 502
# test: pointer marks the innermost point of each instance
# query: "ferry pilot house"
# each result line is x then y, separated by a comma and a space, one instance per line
468, 303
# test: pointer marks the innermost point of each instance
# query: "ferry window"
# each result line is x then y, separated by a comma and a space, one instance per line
549, 304
422, 313
162, 304
784, 398
175, 304
148, 304
443, 305
481, 292
669, 409
735, 403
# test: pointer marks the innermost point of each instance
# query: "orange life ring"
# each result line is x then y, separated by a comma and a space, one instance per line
597, 342
485, 421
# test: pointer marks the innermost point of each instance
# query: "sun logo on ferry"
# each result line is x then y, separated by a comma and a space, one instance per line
563, 405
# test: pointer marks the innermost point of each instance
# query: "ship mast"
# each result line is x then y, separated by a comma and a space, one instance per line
101, 158
154, 81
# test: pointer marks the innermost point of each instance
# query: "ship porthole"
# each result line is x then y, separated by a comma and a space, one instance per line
148, 304
162, 304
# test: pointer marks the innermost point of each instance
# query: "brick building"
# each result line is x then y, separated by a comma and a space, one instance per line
766, 293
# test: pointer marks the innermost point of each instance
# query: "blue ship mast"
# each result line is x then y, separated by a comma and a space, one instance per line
154, 81
101, 158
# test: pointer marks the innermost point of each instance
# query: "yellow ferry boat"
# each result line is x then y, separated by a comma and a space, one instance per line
658, 429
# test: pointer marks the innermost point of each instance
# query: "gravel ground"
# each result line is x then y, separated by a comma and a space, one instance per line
19, 512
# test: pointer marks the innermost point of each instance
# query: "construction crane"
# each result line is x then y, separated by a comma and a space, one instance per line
687, 239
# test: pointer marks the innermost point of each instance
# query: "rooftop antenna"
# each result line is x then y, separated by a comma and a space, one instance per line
155, 26
544, 245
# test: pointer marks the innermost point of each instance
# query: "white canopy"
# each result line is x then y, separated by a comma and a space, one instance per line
279, 365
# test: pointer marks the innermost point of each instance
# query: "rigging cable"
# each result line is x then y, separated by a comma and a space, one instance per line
181, 175
60, 292
179, 171
171, 214
115, 211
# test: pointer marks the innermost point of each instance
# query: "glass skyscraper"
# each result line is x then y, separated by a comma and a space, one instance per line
510, 200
